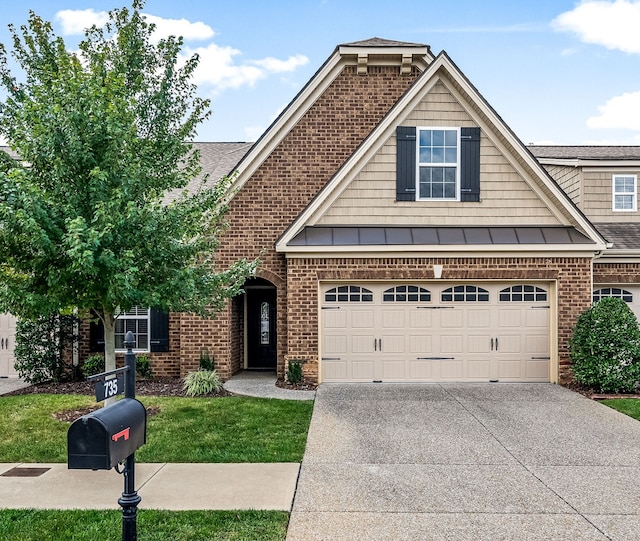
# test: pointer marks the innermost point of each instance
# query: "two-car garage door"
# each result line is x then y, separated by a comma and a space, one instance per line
435, 332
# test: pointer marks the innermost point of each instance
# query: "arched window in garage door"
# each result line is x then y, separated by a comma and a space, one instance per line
523, 293
406, 294
616, 292
464, 294
348, 294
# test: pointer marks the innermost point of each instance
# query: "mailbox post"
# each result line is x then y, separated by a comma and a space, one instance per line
105, 438
130, 498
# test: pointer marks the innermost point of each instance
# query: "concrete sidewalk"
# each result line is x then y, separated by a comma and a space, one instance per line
175, 487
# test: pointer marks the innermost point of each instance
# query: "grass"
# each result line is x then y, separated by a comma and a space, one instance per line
231, 429
628, 406
76, 525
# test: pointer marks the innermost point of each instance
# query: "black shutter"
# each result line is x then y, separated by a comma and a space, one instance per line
159, 327
470, 164
405, 163
96, 335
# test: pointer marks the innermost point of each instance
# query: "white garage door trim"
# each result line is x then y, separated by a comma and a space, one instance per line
435, 331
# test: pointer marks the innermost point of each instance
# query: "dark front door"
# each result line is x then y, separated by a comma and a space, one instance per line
261, 328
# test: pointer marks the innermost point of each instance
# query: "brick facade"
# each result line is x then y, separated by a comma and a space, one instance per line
297, 169
616, 273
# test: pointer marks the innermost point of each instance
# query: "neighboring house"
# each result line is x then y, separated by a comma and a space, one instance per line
405, 234
603, 182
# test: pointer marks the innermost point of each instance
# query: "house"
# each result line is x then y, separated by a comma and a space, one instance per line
406, 234
603, 182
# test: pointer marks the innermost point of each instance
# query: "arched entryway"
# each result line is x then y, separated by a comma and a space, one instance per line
261, 324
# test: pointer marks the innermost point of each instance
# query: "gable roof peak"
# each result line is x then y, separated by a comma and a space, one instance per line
381, 42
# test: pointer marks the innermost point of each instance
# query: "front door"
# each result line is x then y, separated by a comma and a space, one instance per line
261, 328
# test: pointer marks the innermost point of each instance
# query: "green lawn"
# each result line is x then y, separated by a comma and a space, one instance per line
231, 429
628, 406
36, 525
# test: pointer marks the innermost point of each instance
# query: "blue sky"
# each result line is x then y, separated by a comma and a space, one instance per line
557, 71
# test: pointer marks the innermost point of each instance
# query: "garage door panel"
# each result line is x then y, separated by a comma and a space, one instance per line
451, 343
478, 343
393, 319
421, 344
420, 370
334, 319
393, 343
362, 319
420, 319
537, 318
506, 344
335, 370
335, 344
510, 370
451, 319
509, 318
363, 370
362, 343
451, 369
537, 370
394, 370
479, 369
537, 344
478, 318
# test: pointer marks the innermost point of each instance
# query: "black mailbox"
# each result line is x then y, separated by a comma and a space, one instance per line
105, 437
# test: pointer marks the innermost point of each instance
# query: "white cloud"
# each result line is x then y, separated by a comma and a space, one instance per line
273, 65
621, 112
180, 27
220, 67
613, 25
75, 21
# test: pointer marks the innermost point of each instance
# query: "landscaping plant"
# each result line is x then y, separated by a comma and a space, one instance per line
294, 371
605, 347
201, 383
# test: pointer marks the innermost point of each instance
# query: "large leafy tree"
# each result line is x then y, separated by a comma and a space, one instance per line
102, 139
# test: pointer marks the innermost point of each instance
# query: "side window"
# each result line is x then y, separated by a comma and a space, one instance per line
135, 320
617, 292
464, 294
625, 194
406, 294
523, 293
348, 294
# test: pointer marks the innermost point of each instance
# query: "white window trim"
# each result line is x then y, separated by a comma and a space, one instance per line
634, 194
138, 316
446, 164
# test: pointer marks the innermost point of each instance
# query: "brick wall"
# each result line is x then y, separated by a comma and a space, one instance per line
616, 273
306, 159
572, 275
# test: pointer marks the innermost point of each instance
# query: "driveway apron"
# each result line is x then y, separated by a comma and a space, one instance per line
466, 462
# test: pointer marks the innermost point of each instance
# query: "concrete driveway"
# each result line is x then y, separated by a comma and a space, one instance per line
466, 462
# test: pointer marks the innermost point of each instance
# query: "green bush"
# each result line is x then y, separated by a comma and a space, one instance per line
43, 348
294, 371
201, 382
206, 361
93, 365
605, 347
143, 367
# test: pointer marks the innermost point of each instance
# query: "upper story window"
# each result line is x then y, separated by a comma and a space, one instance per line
625, 193
438, 163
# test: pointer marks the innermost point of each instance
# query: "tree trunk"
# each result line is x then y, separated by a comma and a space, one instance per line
109, 321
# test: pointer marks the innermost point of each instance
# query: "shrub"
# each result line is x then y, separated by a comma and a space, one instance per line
93, 365
206, 361
294, 371
43, 348
605, 347
143, 367
201, 382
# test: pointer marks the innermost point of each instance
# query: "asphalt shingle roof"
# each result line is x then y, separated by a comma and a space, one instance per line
624, 236
586, 152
